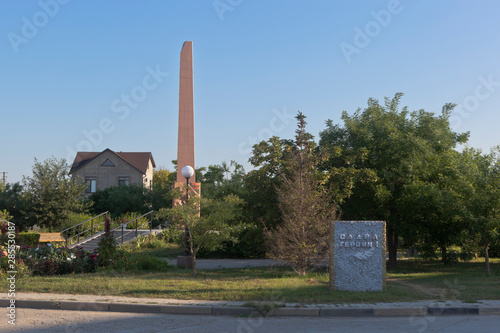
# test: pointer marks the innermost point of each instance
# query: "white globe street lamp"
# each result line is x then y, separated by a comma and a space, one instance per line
187, 172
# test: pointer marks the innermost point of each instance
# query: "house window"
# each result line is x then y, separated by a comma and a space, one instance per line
123, 181
91, 183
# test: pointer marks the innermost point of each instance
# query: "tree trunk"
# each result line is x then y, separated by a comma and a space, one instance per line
392, 244
487, 259
444, 254
194, 265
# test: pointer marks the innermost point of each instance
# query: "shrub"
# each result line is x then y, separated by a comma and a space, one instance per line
494, 251
428, 251
27, 238
142, 223
106, 249
150, 263
49, 260
76, 218
125, 261
4, 259
3, 229
466, 255
152, 242
452, 257
250, 245
171, 235
5, 266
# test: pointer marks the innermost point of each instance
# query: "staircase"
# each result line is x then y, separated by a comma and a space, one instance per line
121, 233
91, 243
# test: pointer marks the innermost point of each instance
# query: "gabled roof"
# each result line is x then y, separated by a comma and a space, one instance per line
140, 161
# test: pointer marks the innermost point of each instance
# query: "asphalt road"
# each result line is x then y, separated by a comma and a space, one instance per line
30, 320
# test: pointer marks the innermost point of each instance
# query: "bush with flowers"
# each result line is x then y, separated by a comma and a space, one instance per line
4, 260
20, 266
3, 230
51, 260
46, 260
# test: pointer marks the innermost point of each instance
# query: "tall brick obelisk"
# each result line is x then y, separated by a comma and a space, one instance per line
185, 142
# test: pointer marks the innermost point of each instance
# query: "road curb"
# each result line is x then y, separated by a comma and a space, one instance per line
186, 309
346, 312
84, 306
435, 311
32, 304
136, 308
393, 312
489, 311
217, 310
296, 312
233, 311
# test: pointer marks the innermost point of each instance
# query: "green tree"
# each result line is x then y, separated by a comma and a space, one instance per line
119, 200
163, 179
222, 180
12, 200
396, 145
208, 225
272, 159
484, 202
301, 239
269, 158
435, 203
51, 195
160, 195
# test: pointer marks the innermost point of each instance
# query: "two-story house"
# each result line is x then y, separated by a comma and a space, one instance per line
100, 170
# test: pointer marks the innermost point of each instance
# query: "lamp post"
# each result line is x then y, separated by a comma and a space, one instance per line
187, 172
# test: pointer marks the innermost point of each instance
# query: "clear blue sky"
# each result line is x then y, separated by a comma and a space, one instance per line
66, 65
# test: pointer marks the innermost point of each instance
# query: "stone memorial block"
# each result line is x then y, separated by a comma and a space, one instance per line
359, 255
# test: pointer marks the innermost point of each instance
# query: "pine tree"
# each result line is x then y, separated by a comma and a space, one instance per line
301, 239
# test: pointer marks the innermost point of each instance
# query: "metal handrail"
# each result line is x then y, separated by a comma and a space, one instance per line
92, 227
122, 226
134, 219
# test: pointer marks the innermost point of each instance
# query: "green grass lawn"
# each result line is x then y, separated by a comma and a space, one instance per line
463, 281
411, 281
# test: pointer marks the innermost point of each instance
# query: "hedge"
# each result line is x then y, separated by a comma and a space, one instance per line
27, 238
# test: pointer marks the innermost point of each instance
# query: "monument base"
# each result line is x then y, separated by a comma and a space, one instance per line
185, 261
359, 255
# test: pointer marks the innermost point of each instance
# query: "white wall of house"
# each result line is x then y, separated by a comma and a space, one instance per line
148, 177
